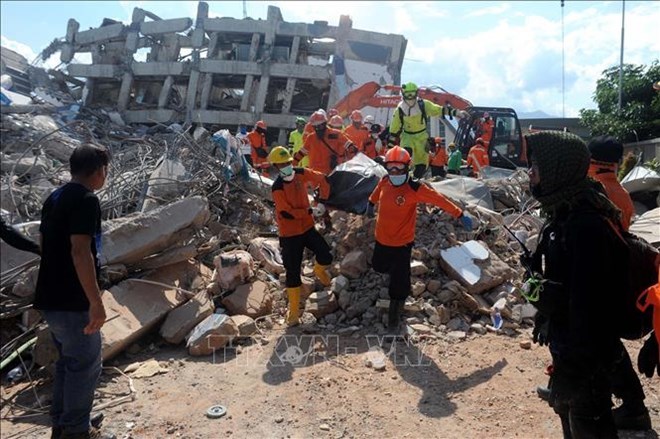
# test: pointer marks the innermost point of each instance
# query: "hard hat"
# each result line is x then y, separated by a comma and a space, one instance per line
356, 116
260, 124
279, 155
438, 140
452, 145
369, 119
332, 112
605, 149
409, 87
336, 121
397, 155
301, 120
317, 118
480, 141
322, 111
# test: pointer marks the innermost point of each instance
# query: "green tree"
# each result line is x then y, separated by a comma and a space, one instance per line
640, 104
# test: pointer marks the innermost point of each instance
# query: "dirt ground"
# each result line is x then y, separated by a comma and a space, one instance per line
295, 385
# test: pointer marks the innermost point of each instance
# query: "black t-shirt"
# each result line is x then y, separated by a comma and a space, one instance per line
70, 210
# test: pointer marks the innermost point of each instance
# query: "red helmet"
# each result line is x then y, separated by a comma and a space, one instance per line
397, 155
317, 118
356, 116
438, 140
336, 121
332, 112
260, 124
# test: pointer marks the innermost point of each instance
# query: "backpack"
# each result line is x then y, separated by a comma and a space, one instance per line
635, 323
422, 108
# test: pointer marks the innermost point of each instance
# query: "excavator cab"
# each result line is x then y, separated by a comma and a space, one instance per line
506, 147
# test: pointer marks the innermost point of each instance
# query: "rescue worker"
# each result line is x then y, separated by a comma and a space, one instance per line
372, 146
477, 158
397, 196
259, 147
455, 160
356, 131
296, 139
487, 128
409, 123
244, 144
439, 158
336, 122
606, 153
326, 148
296, 224
368, 121
332, 112
583, 262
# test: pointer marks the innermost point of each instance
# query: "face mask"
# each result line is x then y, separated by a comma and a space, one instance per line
398, 180
286, 171
410, 102
320, 132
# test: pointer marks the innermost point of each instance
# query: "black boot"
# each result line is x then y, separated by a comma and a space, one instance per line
394, 315
632, 416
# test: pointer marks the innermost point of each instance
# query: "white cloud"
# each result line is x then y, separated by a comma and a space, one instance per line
29, 54
491, 10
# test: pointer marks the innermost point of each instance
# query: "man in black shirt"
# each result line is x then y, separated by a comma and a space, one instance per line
67, 290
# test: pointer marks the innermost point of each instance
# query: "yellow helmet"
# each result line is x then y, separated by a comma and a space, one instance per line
279, 154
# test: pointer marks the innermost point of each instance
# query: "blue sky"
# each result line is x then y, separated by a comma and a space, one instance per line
492, 53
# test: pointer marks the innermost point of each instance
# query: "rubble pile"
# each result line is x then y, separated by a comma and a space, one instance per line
190, 247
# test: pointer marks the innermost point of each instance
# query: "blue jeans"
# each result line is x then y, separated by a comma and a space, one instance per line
76, 371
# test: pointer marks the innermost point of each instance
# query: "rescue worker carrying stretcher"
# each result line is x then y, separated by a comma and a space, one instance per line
259, 147
296, 224
410, 123
397, 196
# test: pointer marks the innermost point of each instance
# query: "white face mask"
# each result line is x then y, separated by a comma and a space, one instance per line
398, 180
287, 173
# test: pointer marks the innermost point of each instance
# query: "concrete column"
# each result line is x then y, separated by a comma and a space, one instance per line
207, 85
274, 16
291, 82
249, 79
125, 91
165, 92
192, 93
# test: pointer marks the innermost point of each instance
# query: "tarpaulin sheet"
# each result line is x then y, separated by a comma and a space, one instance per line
468, 190
352, 182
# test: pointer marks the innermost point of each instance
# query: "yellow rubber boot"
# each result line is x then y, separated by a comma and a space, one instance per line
294, 306
321, 272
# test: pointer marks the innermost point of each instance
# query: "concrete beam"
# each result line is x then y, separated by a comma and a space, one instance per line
165, 92
225, 67
150, 116
160, 68
242, 117
93, 70
72, 27
165, 26
99, 34
232, 25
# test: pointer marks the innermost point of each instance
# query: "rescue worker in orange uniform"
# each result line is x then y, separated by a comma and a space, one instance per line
606, 152
397, 196
326, 148
477, 158
373, 145
439, 158
356, 131
259, 147
296, 224
487, 128
336, 122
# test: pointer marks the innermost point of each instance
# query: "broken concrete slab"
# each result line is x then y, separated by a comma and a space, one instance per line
26, 284
164, 183
246, 325
251, 299
354, 264
145, 369
129, 239
321, 303
182, 320
475, 266
417, 268
134, 308
168, 257
213, 333
233, 268
267, 251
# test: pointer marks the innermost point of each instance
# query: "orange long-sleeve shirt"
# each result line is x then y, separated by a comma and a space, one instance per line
369, 148
478, 157
439, 158
397, 209
357, 135
258, 146
326, 153
487, 130
605, 173
292, 210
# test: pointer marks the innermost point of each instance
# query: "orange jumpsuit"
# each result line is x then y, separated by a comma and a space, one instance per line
487, 130
605, 173
259, 151
357, 135
326, 153
369, 148
292, 209
439, 158
397, 209
478, 158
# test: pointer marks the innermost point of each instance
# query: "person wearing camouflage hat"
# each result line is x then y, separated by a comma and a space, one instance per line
583, 264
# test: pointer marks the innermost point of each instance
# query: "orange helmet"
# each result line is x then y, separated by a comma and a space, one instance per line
332, 112
336, 122
317, 118
397, 155
260, 124
480, 141
356, 116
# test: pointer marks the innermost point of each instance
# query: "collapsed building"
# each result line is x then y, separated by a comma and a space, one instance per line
226, 71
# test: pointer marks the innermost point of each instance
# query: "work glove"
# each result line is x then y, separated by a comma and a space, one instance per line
540, 331
319, 210
466, 222
370, 210
648, 360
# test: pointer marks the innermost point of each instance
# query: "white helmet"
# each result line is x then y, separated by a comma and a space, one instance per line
368, 120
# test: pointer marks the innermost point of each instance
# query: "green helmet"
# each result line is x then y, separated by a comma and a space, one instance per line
409, 87
301, 120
